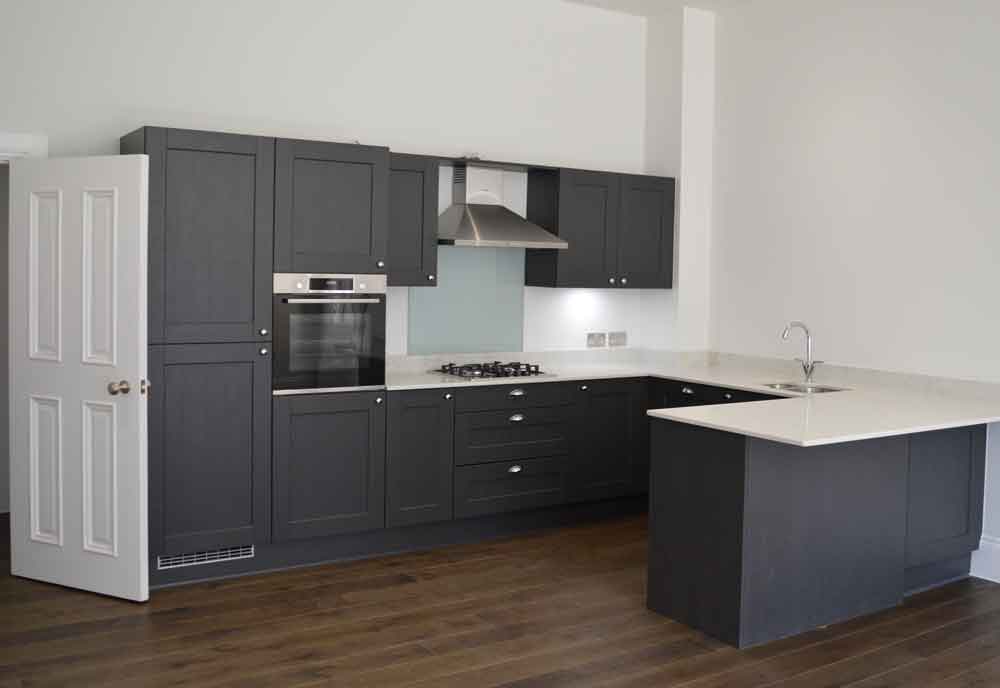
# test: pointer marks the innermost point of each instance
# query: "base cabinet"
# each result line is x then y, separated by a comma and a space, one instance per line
209, 447
421, 426
610, 456
944, 518
329, 464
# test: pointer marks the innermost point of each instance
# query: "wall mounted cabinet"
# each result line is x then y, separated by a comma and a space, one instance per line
209, 447
330, 207
620, 229
210, 234
329, 464
413, 206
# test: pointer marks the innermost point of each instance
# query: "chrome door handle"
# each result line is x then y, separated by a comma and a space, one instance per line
516, 392
145, 387
687, 390
611, 280
516, 468
380, 264
378, 400
263, 351
584, 388
516, 418
263, 332
430, 278
122, 387
728, 395
624, 281
448, 396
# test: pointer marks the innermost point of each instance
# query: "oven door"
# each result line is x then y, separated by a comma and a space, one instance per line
324, 342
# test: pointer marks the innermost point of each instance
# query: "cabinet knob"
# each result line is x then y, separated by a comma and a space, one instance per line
687, 390
516, 418
263, 351
448, 396
378, 400
262, 332
516, 392
624, 280
516, 468
728, 395
430, 278
611, 280
380, 264
584, 388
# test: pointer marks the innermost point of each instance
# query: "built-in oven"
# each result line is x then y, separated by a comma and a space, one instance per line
329, 333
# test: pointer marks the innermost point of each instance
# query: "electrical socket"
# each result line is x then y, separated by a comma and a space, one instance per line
617, 338
596, 340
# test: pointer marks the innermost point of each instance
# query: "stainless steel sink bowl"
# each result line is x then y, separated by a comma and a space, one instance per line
803, 388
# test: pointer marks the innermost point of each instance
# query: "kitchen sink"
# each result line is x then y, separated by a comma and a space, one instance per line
803, 388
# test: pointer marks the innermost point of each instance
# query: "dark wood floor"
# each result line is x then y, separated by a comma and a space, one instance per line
560, 608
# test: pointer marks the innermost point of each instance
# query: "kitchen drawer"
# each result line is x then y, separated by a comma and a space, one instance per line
670, 393
513, 396
722, 395
522, 433
510, 486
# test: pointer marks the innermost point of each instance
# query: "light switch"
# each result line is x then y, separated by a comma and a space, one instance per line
617, 338
596, 340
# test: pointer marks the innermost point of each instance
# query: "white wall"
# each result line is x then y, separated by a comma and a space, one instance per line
857, 165
439, 76
4, 404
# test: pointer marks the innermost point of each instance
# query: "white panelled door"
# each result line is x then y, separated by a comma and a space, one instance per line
78, 373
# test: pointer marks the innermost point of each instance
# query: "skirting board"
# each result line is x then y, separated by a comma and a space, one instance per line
986, 560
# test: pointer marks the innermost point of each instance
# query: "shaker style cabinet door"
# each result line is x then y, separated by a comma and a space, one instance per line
209, 447
645, 242
331, 207
609, 455
329, 464
421, 432
413, 206
588, 220
210, 234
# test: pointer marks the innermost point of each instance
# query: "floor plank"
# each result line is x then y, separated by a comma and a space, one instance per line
550, 609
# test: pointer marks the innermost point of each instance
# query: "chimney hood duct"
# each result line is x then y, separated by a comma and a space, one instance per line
488, 226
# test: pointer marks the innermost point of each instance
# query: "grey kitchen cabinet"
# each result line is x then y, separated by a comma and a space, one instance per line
330, 207
645, 242
420, 431
209, 447
210, 234
329, 464
945, 494
610, 456
413, 206
619, 228
581, 207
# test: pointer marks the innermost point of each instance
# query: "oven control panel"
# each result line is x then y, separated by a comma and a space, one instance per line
295, 283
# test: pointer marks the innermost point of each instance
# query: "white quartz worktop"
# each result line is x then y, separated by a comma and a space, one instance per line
873, 403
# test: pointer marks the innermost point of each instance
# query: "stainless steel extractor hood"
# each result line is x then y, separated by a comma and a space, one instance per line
486, 225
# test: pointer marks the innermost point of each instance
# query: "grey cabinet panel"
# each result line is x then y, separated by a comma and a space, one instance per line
620, 229
486, 436
582, 208
510, 486
209, 447
330, 208
329, 464
419, 466
413, 204
210, 234
610, 456
645, 246
945, 494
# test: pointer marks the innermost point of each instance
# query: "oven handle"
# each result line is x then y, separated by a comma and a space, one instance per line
331, 301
